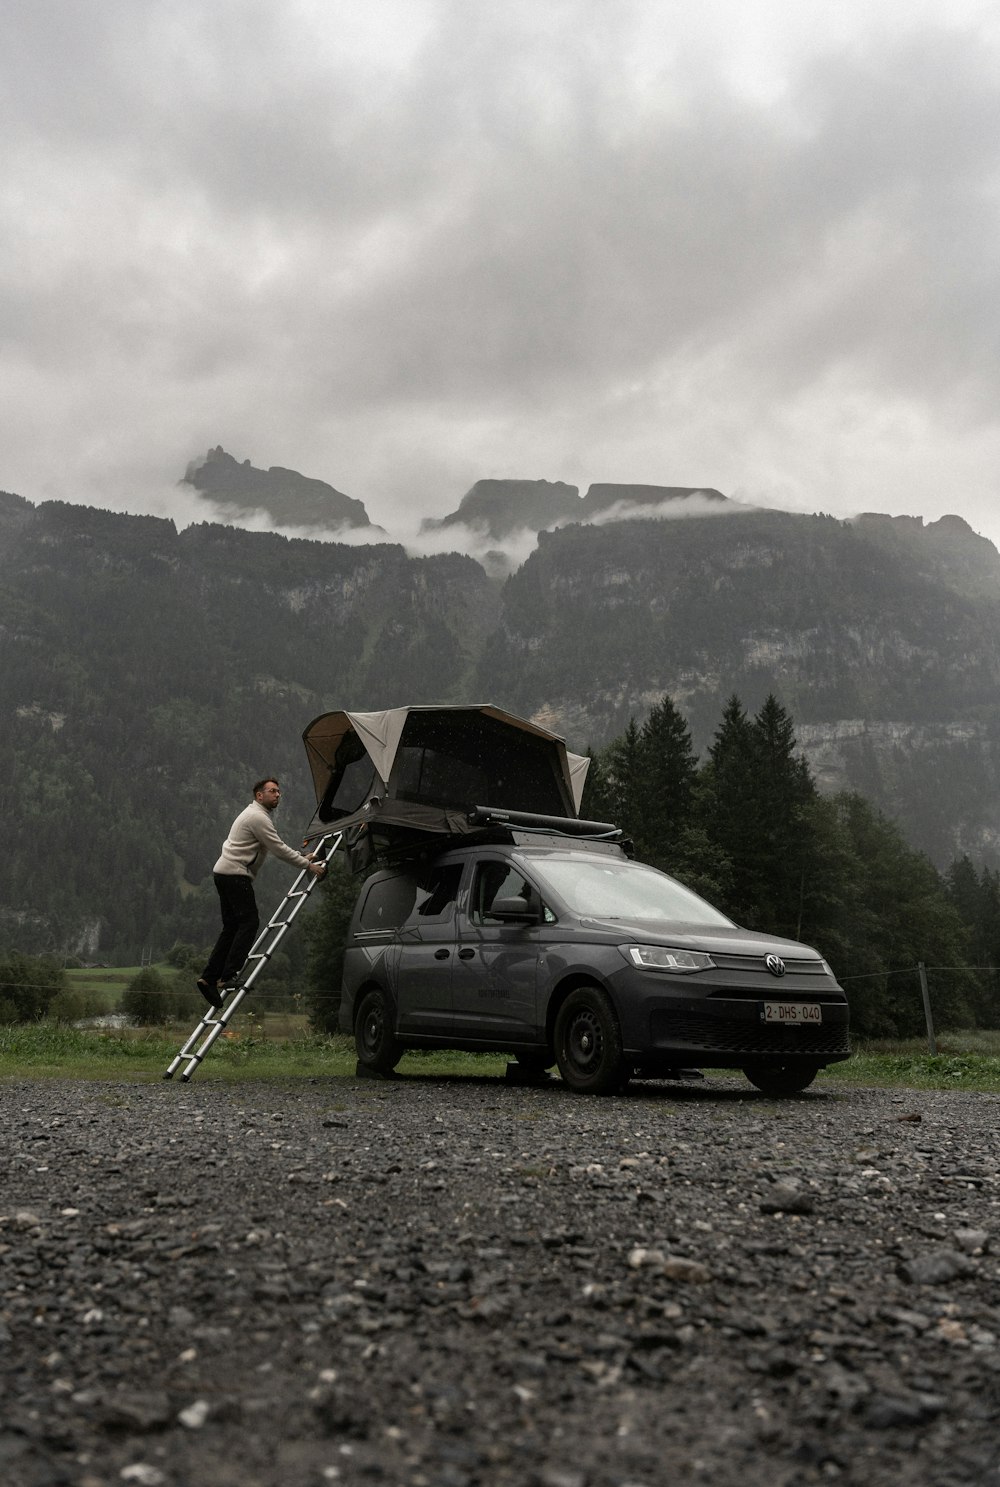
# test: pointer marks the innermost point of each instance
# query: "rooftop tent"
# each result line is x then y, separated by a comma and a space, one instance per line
421, 769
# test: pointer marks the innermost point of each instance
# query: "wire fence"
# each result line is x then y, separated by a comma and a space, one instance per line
910, 971
278, 999
921, 971
290, 1002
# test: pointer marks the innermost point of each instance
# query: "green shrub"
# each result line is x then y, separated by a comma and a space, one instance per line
147, 1000
28, 983
184, 957
73, 1004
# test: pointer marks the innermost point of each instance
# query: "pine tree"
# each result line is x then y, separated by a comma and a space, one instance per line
757, 806
990, 948
901, 914
623, 764
977, 902
668, 771
785, 847
727, 809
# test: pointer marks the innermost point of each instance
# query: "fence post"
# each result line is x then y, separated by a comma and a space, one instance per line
931, 1040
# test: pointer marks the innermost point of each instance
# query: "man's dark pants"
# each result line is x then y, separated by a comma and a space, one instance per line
240, 923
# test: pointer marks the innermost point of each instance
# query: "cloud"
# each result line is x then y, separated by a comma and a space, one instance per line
407, 248
670, 509
499, 556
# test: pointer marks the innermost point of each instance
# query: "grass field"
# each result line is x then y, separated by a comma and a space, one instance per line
105, 984
45, 1051
279, 1046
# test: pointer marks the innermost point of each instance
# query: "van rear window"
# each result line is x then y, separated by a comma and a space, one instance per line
388, 903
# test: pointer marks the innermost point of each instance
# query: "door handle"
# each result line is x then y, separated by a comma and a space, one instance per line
466, 954
441, 954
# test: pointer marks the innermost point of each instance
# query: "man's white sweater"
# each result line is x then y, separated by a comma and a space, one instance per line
251, 837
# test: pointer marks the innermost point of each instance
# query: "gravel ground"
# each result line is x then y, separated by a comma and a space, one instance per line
455, 1282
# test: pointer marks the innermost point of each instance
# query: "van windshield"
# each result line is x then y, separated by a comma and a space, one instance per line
596, 888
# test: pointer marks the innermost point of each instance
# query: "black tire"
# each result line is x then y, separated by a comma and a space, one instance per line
779, 1080
374, 1040
589, 1043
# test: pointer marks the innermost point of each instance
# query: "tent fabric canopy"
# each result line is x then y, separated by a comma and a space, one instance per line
422, 768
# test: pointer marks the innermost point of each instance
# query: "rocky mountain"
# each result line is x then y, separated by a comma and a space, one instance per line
147, 675
288, 498
500, 508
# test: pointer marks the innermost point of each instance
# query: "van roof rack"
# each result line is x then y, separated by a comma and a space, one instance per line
484, 816
368, 848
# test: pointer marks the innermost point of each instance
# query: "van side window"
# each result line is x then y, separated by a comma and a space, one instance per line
388, 904
495, 880
438, 892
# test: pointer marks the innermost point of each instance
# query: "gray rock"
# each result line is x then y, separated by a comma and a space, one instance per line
889, 1412
935, 1268
136, 1410
787, 1197
972, 1241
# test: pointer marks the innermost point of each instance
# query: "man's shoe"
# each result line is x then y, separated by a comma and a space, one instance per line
210, 993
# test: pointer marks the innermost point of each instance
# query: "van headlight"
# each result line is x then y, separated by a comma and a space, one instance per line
665, 958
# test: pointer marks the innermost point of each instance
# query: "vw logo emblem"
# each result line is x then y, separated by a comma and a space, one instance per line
775, 965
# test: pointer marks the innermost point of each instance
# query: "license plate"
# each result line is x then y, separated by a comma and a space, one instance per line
791, 1012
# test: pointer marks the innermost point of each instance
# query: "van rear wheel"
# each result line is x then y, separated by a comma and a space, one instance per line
589, 1043
374, 1040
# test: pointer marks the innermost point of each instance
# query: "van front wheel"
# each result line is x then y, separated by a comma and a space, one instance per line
589, 1043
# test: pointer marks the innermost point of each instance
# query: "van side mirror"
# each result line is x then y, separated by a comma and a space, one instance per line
514, 910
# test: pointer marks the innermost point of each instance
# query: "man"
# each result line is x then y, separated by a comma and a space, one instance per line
251, 836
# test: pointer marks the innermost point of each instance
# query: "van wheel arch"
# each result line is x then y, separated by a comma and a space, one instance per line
559, 995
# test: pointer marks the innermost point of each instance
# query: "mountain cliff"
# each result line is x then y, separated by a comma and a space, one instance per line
882, 637
845, 620
499, 508
288, 498
147, 676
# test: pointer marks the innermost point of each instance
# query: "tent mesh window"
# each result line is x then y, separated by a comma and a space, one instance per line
353, 780
474, 760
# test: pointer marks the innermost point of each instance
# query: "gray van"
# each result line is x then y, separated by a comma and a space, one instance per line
565, 951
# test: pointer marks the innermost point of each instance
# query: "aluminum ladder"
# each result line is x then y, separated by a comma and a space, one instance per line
266, 943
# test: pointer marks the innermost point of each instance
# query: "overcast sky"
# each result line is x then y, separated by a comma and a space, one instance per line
405, 244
